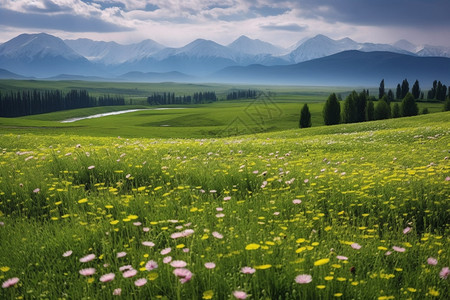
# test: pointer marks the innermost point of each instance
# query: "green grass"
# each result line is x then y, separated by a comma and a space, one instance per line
358, 183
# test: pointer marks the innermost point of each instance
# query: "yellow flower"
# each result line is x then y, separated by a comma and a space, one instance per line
84, 200
328, 278
263, 267
5, 269
152, 276
114, 222
252, 247
433, 292
321, 261
338, 294
208, 294
320, 287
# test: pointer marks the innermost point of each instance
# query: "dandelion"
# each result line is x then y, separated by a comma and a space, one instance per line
87, 258
432, 261
340, 257
87, 271
303, 278
248, 270
121, 254
398, 249
240, 294
407, 230
252, 246
151, 265
117, 292
178, 264
210, 265
67, 253
129, 273
166, 251
355, 246
296, 201
107, 277
140, 282
208, 294
167, 259
10, 282
444, 273
321, 262
217, 235
148, 244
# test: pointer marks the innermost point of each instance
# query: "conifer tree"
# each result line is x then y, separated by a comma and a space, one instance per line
332, 110
409, 106
305, 117
381, 91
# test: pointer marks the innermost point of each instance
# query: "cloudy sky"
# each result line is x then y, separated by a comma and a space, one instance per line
177, 22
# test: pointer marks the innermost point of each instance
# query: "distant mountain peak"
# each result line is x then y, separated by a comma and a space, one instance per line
247, 45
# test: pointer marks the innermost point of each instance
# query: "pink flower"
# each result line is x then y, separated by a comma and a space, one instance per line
87, 271
37, 190
447, 178
107, 277
388, 253
87, 258
432, 261
248, 270
407, 230
219, 208
167, 259
140, 282
276, 213
340, 257
146, 229
181, 234
220, 215
166, 251
355, 246
117, 292
217, 235
124, 268
296, 201
398, 249
240, 294
148, 244
129, 273
121, 254
444, 273
151, 265
186, 250
137, 223
178, 264
10, 282
91, 167
227, 198
184, 274
306, 180
210, 265
303, 278
67, 253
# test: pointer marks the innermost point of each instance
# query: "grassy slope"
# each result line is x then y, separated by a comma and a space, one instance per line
366, 183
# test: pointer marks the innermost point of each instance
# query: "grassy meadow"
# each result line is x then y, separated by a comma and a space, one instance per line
230, 201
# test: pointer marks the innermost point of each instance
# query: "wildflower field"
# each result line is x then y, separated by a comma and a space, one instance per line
354, 211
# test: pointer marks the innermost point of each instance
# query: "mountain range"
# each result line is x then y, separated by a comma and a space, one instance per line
46, 56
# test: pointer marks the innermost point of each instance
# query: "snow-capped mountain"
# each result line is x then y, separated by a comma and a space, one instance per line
255, 47
407, 45
112, 53
429, 50
321, 46
41, 55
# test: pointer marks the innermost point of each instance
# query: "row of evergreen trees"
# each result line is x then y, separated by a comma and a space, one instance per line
23, 103
437, 92
242, 94
168, 98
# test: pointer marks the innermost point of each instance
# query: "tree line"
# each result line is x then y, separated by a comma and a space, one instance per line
27, 102
360, 107
242, 94
168, 98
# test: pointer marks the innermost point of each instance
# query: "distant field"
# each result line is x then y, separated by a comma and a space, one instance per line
277, 109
